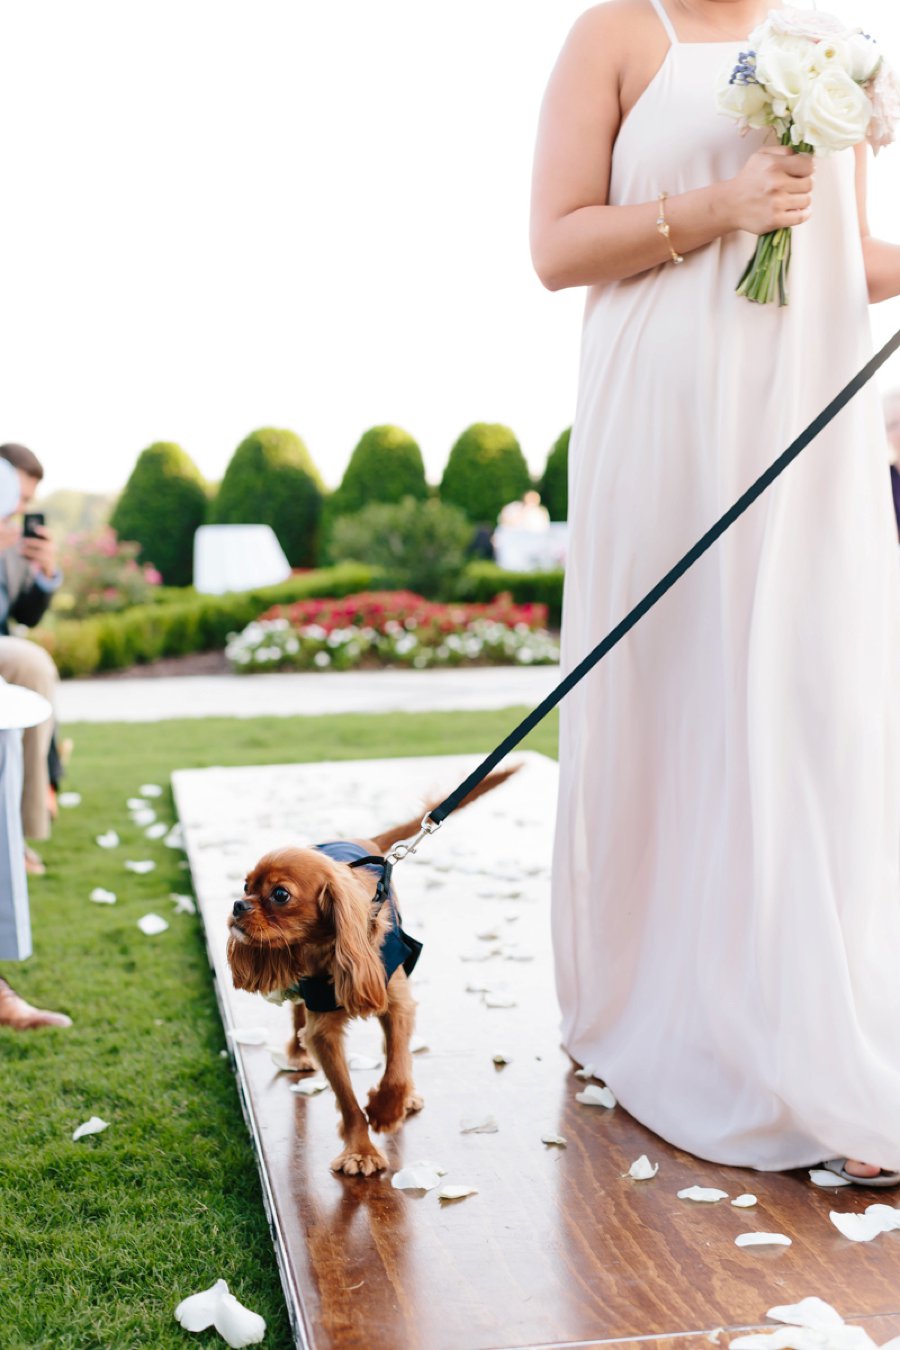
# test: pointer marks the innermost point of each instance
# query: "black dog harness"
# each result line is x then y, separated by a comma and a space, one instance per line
398, 948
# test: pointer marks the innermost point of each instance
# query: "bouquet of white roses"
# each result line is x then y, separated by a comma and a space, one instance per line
821, 87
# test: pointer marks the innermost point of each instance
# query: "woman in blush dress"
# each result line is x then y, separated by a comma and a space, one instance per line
726, 900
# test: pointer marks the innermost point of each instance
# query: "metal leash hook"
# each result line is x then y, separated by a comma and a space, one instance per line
405, 847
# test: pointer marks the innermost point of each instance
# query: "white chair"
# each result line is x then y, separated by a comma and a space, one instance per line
237, 558
531, 550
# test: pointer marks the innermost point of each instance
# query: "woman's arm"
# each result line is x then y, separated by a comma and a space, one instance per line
882, 260
577, 239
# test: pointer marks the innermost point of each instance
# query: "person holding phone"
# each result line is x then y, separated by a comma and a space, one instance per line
29, 578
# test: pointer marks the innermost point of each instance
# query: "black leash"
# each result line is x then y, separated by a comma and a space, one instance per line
435, 818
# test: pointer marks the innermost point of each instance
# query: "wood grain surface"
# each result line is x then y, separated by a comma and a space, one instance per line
558, 1247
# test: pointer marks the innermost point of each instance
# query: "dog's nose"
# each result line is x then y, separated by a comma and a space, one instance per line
241, 907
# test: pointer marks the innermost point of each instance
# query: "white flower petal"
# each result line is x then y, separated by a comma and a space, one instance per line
587, 1073
356, 1061
102, 897
184, 904
141, 867
478, 1125
501, 1060
887, 1216
857, 1227
175, 837
556, 1139
704, 1195
819, 1177
480, 955
251, 1035
156, 831
499, 1001
488, 935
237, 1325
69, 798
280, 1059
136, 804
418, 1046
93, 1126
456, 1192
197, 1311
415, 1178
744, 1202
642, 1169
152, 924
596, 1096
150, 790
476, 987
309, 1087
145, 816
430, 1166
809, 1312
762, 1240
108, 840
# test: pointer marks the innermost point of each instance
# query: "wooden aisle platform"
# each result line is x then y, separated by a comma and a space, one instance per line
557, 1248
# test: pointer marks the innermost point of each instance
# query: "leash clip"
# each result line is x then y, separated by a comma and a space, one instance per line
407, 846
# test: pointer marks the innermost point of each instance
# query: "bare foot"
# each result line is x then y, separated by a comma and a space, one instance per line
861, 1169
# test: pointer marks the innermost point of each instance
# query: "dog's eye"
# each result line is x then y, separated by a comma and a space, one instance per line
280, 895
246, 887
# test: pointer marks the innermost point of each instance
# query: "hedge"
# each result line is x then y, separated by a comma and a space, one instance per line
485, 471
554, 486
272, 480
164, 502
482, 581
198, 624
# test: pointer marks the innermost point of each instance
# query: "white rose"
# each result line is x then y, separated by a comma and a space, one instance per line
832, 113
864, 58
748, 104
799, 23
832, 52
884, 92
784, 67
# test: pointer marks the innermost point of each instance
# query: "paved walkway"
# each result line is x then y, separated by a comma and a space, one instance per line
155, 700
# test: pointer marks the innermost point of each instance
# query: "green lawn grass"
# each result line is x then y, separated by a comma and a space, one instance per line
100, 1239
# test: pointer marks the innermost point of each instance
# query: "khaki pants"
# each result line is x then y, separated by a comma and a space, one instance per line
23, 662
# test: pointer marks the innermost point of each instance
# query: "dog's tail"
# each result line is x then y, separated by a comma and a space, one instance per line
398, 832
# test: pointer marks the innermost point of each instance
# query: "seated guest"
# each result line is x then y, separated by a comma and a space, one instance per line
527, 514
18, 708
28, 578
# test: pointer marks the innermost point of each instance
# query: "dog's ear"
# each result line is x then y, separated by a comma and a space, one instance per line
260, 970
359, 983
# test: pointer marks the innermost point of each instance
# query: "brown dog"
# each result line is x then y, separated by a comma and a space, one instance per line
307, 918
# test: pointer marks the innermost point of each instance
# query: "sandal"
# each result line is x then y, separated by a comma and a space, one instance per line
839, 1167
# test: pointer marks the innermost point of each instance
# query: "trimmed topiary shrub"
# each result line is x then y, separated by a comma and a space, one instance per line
419, 545
554, 486
386, 466
486, 469
163, 504
271, 480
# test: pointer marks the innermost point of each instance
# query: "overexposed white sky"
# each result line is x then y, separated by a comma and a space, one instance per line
225, 214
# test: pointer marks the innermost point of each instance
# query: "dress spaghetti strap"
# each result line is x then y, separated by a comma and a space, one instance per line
665, 21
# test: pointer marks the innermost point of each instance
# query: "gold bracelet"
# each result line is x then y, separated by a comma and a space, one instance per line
662, 226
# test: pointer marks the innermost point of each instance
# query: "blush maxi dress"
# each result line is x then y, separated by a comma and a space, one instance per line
726, 872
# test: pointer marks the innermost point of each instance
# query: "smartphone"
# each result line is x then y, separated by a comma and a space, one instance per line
32, 518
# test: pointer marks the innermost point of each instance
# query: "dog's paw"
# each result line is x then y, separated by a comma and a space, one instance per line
299, 1058
359, 1162
389, 1106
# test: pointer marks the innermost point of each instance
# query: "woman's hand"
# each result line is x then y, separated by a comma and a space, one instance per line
772, 191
